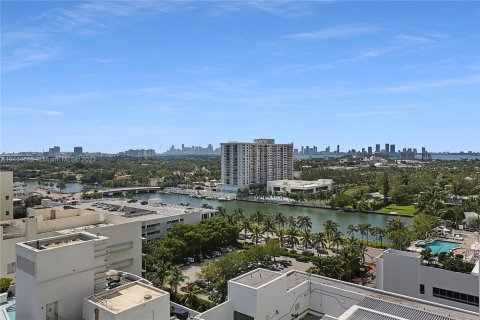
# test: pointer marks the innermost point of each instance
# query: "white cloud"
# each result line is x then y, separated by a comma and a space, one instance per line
435, 84
15, 110
331, 33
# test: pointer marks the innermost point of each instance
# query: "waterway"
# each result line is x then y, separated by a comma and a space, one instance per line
318, 215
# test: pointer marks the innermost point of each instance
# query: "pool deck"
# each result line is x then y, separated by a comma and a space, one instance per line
464, 245
3, 309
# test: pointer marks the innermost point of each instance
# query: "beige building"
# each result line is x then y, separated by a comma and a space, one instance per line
124, 235
244, 164
130, 301
6, 195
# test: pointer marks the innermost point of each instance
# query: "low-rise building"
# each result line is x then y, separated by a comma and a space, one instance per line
296, 186
54, 274
131, 301
6, 195
265, 294
124, 235
156, 217
404, 273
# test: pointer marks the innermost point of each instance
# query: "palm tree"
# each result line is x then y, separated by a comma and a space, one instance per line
269, 225
304, 223
336, 268
369, 229
238, 214
246, 226
159, 272
257, 233
337, 239
351, 229
320, 241
280, 219
292, 222
363, 228
175, 277
350, 261
397, 232
330, 228
257, 217
222, 212
381, 233
280, 234
292, 236
306, 239
190, 296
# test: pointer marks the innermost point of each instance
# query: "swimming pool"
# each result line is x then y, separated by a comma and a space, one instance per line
439, 246
11, 312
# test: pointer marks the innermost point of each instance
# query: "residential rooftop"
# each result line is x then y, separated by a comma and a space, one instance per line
257, 277
153, 210
126, 297
394, 305
60, 241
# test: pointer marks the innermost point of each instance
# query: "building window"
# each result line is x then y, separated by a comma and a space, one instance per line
11, 267
240, 316
7, 197
455, 296
422, 289
7, 213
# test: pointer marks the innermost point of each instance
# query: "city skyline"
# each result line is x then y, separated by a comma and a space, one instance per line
111, 76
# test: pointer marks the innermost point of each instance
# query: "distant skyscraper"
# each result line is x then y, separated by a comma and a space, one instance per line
370, 149
327, 150
78, 151
392, 149
56, 150
377, 147
387, 147
338, 148
363, 150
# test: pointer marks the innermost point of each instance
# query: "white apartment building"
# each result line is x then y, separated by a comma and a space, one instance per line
296, 186
124, 235
6, 195
265, 294
244, 164
55, 274
404, 273
131, 301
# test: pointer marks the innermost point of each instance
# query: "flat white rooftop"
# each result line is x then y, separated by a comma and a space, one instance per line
257, 277
126, 297
138, 210
301, 183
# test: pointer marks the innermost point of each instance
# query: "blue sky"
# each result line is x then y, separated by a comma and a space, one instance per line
110, 76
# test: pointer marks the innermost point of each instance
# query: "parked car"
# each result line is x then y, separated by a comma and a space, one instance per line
179, 312
322, 251
190, 260
301, 259
216, 254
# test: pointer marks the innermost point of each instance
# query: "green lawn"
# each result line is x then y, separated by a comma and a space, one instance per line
410, 210
352, 191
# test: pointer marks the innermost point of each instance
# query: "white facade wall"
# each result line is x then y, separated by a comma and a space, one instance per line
403, 273
453, 281
124, 238
6, 195
63, 275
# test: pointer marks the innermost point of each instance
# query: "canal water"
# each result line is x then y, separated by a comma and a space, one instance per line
318, 215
